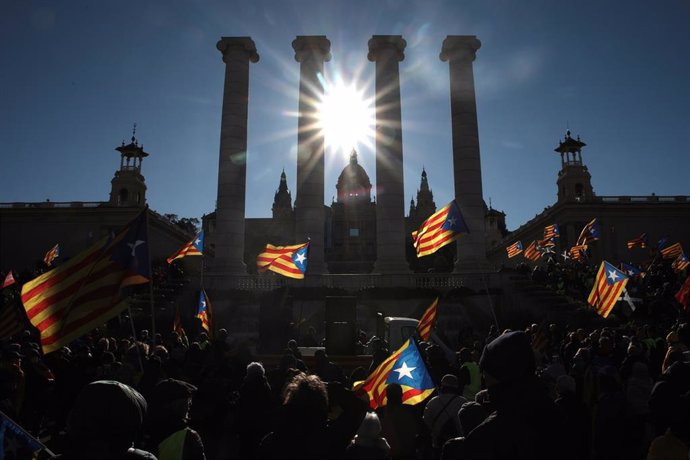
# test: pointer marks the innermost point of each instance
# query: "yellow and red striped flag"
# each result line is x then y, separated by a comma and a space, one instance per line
590, 232
683, 294
641, 241
427, 321
290, 261
607, 288
672, 251
205, 313
533, 252
577, 252
51, 255
404, 367
681, 263
85, 292
193, 248
514, 249
177, 323
441, 228
551, 231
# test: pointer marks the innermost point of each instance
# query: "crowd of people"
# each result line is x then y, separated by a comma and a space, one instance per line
621, 391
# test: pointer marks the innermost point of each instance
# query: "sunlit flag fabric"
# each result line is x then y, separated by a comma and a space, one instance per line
193, 248
551, 231
590, 232
427, 322
85, 292
514, 249
640, 242
578, 252
442, 228
672, 251
681, 263
9, 280
404, 367
204, 312
290, 261
533, 251
608, 285
51, 255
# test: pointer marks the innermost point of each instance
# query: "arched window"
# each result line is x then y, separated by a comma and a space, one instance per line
123, 196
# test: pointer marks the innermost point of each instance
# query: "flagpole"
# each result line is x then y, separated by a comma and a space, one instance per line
153, 311
491, 303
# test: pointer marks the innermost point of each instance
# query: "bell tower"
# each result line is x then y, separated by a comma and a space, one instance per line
128, 186
574, 181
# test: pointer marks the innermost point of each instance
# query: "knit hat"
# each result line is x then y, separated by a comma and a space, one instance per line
450, 381
370, 427
509, 357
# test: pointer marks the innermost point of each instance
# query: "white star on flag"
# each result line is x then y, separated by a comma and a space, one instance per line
451, 221
404, 371
565, 255
197, 241
300, 258
134, 246
613, 276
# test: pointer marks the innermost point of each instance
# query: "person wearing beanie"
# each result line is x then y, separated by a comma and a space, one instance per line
441, 413
255, 409
105, 420
525, 423
168, 428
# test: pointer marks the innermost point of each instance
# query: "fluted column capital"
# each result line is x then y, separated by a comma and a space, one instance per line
312, 47
460, 47
380, 45
227, 45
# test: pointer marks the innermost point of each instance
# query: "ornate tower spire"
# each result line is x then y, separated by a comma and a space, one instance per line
282, 200
574, 181
127, 186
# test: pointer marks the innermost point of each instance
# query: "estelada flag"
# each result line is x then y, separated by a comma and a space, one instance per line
681, 263
641, 242
290, 261
404, 367
533, 252
514, 249
441, 228
204, 313
51, 255
551, 231
194, 248
590, 232
607, 288
86, 291
683, 295
9, 280
427, 321
672, 251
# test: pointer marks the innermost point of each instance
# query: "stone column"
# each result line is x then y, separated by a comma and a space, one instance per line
387, 51
310, 51
232, 169
460, 51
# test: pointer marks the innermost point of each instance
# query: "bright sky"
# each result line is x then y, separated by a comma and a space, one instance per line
75, 75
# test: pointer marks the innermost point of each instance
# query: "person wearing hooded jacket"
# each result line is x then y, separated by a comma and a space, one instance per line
525, 424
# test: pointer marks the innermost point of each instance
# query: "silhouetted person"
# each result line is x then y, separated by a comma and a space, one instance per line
400, 427
104, 423
254, 410
168, 422
525, 424
368, 443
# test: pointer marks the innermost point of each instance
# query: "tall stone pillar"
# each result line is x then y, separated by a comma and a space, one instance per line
232, 169
387, 51
460, 51
310, 51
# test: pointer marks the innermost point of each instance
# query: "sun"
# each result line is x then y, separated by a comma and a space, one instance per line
346, 117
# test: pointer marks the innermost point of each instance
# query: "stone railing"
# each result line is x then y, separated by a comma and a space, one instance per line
269, 281
644, 199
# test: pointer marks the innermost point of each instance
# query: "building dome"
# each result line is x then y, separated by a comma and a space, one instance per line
353, 182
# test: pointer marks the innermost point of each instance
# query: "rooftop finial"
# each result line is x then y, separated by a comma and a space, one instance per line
134, 132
